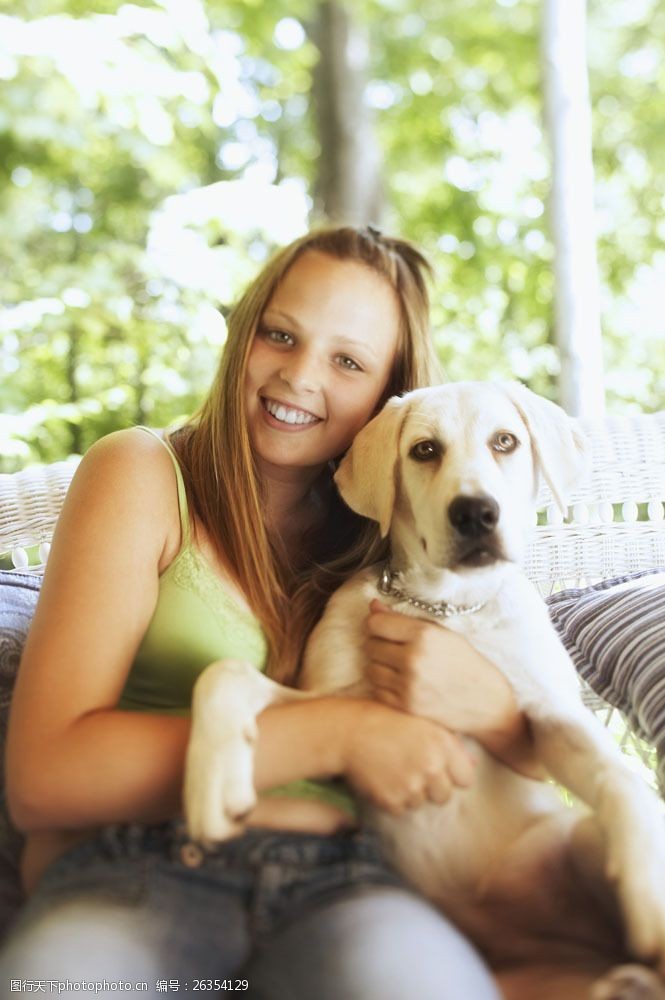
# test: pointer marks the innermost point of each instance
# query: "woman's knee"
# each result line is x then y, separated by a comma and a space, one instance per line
77, 941
377, 943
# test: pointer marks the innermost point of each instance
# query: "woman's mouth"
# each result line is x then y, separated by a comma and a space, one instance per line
284, 414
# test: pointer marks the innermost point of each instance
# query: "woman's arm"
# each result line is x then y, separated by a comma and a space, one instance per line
68, 750
73, 758
435, 673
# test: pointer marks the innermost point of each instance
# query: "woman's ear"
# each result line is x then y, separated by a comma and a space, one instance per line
366, 475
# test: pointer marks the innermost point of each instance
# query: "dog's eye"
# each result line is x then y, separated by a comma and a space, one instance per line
426, 451
504, 442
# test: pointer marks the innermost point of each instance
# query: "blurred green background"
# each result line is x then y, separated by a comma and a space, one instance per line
152, 155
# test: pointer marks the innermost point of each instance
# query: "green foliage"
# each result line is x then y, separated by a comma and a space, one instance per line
116, 269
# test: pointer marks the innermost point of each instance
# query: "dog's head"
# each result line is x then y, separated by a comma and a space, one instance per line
452, 471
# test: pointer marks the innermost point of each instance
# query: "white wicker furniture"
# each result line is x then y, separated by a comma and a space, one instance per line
30, 502
602, 538
616, 519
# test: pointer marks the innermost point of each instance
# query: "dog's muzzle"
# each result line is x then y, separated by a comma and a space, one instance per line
475, 520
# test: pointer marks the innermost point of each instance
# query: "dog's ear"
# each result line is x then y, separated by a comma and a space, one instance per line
561, 450
366, 474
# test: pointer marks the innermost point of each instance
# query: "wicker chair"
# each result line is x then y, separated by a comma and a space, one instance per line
30, 502
616, 523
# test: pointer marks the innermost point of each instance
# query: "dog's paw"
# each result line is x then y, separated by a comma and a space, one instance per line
646, 933
629, 982
219, 790
636, 864
644, 913
641, 888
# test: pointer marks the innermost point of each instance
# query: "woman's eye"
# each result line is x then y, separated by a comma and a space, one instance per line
279, 336
426, 451
504, 442
349, 363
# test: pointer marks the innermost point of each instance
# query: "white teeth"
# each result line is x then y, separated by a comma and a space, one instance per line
288, 415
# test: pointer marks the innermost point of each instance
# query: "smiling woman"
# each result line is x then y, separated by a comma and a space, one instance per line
334, 325
221, 542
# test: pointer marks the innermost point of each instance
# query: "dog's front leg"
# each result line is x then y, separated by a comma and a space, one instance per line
580, 754
219, 788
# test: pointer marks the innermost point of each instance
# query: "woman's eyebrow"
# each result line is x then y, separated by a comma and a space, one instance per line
272, 311
356, 345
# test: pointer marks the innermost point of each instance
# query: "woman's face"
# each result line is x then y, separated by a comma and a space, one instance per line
320, 361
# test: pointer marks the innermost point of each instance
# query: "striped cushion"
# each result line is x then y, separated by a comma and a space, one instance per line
18, 598
615, 634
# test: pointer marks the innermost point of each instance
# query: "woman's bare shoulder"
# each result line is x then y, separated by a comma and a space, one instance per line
127, 450
126, 480
127, 461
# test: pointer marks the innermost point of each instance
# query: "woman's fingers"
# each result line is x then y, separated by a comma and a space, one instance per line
461, 764
439, 788
391, 654
388, 696
391, 625
382, 674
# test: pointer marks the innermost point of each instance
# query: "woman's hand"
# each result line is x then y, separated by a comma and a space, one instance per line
422, 668
430, 671
400, 761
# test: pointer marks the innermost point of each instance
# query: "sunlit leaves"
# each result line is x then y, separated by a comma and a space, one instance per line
121, 247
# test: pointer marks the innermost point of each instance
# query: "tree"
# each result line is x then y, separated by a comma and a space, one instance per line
577, 299
348, 186
152, 156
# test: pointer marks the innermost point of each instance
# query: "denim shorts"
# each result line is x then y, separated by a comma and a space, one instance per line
290, 916
276, 874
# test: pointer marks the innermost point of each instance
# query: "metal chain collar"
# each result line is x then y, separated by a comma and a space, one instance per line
442, 609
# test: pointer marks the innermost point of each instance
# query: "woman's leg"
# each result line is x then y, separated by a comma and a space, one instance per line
376, 943
331, 920
118, 910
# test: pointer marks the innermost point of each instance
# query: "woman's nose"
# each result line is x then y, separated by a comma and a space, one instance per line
302, 374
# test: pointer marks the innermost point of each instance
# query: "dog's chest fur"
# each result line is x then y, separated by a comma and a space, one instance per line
430, 844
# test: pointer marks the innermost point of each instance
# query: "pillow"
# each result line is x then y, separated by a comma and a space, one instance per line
18, 598
614, 632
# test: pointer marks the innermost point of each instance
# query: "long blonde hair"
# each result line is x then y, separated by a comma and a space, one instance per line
218, 465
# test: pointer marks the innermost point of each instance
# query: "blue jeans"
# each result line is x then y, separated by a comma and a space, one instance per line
294, 916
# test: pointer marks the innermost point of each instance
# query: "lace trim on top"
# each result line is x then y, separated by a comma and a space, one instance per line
191, 572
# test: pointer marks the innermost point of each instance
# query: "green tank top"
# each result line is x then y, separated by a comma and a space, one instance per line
195, 622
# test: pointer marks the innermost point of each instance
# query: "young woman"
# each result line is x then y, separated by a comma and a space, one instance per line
222, 540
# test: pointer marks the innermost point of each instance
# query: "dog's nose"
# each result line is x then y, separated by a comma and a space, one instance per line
473, 517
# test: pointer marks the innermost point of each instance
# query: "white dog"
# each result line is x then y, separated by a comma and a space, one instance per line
558, 899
